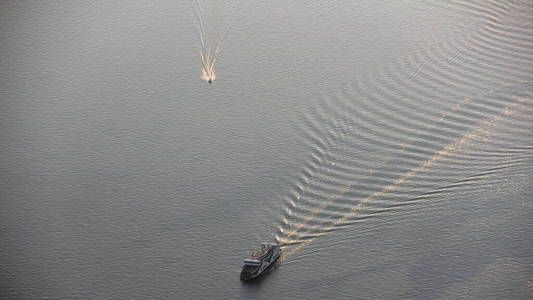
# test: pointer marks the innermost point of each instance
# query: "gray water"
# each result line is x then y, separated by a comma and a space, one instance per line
386, 145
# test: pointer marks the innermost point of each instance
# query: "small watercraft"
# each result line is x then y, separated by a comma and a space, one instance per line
260, 261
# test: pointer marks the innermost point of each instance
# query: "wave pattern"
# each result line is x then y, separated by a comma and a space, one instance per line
423, 131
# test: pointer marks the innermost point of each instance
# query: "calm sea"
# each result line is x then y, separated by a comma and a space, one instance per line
386, 145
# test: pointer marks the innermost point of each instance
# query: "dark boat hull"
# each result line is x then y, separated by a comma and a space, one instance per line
264, 268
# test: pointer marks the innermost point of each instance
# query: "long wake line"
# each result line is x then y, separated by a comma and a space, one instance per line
335, 200
449, 149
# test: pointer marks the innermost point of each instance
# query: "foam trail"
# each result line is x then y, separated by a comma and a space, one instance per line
209, 50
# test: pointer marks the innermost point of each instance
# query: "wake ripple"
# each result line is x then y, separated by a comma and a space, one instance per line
401, 135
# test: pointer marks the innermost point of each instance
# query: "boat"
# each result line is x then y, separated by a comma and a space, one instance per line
260, 261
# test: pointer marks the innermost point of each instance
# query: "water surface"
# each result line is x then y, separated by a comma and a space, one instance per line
387, 147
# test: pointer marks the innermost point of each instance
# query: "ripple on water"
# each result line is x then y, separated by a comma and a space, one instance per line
421, 132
